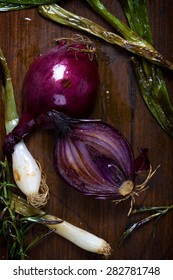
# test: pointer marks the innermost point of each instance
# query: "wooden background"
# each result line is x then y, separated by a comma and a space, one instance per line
25, 34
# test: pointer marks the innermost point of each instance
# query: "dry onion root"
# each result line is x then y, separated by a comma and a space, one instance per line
134, 190
29, 176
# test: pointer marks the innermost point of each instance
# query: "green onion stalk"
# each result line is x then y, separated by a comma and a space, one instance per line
14, 5
17, 217
11, 115
149, 76
7, 7
60, 15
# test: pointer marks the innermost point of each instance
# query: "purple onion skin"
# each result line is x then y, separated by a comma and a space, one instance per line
65, 78
95, 158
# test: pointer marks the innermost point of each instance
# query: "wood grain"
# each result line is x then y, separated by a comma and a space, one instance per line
25, 34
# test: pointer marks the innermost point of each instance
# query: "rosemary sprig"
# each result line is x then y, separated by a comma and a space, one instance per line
12, 226
157, 213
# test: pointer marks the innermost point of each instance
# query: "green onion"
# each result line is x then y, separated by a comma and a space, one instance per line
120, 26
149, 76
14, 227
12, 5
79, 237
60, 15
6, 7
11, 116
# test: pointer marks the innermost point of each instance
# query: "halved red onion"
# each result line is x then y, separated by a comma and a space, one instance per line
95, 158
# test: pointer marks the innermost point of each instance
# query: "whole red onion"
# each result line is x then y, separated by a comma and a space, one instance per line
65, 78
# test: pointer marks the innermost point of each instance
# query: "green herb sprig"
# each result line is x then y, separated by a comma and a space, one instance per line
156, 213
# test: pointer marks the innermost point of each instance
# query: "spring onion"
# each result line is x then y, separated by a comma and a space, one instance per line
14, 5
149, 77
27, 173
56, 13
79, 237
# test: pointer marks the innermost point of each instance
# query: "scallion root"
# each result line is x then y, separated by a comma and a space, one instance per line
41, 198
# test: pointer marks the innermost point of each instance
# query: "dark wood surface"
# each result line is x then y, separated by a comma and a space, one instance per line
25, 34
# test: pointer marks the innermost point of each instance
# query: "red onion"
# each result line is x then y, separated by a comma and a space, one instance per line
96, 159
65, 78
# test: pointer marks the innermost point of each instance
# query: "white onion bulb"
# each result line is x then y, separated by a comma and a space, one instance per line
28, 175
26, 171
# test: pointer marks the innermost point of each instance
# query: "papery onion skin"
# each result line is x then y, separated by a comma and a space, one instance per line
65, 78
93, 158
